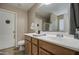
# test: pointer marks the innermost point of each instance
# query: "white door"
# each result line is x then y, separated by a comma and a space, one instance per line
6, 29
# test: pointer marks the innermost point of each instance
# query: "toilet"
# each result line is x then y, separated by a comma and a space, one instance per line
21, 45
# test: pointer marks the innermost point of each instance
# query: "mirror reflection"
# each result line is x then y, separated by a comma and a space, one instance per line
53, 17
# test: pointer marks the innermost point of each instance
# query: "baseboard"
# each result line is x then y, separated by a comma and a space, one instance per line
8, 48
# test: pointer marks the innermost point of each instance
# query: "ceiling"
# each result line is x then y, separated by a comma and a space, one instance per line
52, 8
44, 10
23, 6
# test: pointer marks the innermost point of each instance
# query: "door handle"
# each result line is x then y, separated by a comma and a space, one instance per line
14, 34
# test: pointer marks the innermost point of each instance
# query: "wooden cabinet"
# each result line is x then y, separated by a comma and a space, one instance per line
35, 41
31, 46
55, 49
34, 49
28, 38
43, 52
28, 45
35, 46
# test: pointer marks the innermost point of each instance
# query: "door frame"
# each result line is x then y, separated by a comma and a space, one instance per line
15, 24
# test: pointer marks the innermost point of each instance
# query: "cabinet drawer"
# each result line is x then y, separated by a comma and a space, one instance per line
28, 38
34, 41
55, 49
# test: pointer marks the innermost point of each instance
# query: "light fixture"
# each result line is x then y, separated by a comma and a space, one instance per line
46, 3
32, 26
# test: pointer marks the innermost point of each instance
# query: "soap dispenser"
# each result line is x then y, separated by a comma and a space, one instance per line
76, 33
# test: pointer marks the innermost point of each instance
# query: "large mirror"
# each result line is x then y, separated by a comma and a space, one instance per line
54, 17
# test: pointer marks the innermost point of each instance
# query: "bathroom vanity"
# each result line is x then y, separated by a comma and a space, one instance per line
50, 45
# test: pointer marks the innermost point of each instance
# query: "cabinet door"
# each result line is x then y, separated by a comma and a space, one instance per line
43, 52
34, 49
55, 49
35, 41
28, 48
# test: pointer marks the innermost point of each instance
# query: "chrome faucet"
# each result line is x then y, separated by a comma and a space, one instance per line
60, 35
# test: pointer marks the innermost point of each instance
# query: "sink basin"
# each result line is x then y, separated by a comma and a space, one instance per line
49, 36
38, 35
56, 37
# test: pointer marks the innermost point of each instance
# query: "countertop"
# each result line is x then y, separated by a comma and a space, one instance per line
67, 42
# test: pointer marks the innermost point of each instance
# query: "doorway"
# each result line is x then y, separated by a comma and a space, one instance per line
7, 29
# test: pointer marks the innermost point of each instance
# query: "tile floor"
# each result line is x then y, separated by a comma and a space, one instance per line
11, 51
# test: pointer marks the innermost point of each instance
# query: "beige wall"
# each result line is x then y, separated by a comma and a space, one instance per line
21, 20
